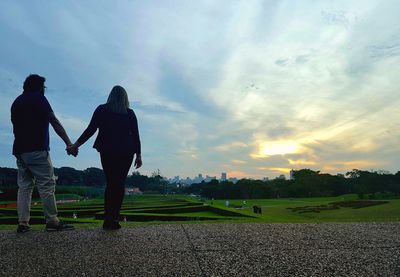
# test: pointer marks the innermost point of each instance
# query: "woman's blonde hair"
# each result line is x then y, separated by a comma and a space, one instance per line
118, 100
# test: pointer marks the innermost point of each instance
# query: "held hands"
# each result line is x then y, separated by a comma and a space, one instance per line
72, 150
138, 161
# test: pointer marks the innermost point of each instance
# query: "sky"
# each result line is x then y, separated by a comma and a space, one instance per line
250, 88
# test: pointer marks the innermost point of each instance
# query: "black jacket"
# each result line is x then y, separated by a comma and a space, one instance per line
118, 133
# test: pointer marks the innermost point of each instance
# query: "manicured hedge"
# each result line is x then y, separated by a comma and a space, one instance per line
224, 212
12, 211
41, 220
14, 220
84, 207
357, 204
169, 209
131, 207
69, 213
162, 210
160, 217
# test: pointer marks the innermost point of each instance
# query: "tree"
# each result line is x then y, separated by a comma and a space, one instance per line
94, 177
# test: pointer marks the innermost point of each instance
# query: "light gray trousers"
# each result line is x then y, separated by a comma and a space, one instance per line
35, 168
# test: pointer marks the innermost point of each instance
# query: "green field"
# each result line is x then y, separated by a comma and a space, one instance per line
151, 209
279, 210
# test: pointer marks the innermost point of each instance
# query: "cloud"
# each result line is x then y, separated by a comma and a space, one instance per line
158, 109
238, 162
381, 51
336, 18
230, 146
341, 166
237, 174
282, 62
72, 125
267, 148
301, 162
301, 59
274, 169
269, 85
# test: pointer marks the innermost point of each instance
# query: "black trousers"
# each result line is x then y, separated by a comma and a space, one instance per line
116, 169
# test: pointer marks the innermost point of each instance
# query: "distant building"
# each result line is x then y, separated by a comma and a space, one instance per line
265, 179
209, 178
223, 176
132, 191
198, 179
233, 180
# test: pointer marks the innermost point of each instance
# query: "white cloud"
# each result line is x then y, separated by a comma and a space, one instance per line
231, 146
74, 126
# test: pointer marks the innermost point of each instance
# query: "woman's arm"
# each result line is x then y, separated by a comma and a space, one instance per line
90, 130
137, 138
138, 160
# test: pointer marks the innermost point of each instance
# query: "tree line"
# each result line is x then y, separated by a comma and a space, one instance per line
91, 177
305, 183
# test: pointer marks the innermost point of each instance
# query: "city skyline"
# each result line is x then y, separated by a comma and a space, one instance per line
252, 89
199, 178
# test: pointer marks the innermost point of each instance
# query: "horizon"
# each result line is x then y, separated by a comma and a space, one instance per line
229, 178
253, 89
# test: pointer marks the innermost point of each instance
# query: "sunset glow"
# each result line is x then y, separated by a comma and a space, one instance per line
267, 149
249, 88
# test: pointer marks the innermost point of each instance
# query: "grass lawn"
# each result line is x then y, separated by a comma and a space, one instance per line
159, 209
276, 210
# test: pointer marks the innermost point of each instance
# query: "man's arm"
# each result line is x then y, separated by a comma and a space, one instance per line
59, 129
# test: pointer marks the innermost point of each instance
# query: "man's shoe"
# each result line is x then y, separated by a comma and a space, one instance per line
58, 226
111, 225
23, 228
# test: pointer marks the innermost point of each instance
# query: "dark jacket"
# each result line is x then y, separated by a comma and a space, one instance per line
118, 133
30, 115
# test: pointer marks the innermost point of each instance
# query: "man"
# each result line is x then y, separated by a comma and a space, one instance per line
31, 114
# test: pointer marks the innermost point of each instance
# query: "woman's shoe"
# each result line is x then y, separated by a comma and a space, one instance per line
111, 225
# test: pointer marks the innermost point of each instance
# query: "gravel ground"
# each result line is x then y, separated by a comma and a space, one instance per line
351, 249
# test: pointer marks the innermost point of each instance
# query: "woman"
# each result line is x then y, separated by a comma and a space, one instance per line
117, 141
